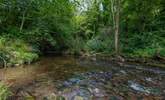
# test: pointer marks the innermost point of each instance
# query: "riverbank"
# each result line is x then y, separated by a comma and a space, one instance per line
18, 58
16, 52
155, 61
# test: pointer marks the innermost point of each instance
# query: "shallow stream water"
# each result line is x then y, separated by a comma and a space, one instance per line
69, 78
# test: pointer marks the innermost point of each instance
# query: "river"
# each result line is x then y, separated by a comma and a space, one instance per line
73, 78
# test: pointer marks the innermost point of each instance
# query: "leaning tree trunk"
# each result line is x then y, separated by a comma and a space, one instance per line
23, 21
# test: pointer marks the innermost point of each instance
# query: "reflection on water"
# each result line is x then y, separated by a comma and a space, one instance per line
82, 79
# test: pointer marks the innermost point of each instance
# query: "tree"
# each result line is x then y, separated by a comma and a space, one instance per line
115, 11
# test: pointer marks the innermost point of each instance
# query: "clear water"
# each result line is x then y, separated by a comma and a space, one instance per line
84, 79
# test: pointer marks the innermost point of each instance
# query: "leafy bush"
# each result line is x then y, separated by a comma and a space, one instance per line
145, 44
4, 92
15, 51
100, 44
76, 45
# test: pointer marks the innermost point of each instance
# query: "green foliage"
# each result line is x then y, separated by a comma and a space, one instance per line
4, 92
16, 51
100, 45
37, 21
144, 44
76, 26
76, 45
141, 27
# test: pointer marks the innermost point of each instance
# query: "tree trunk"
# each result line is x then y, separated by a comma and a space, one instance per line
117, 21
23, 21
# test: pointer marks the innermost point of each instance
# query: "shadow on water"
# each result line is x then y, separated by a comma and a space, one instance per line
83, 79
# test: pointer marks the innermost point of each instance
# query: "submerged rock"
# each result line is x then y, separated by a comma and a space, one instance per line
85, 86
72, 93
53, 97
123, 72
140, 88
99, 93
149, 79
114, 98
78, 98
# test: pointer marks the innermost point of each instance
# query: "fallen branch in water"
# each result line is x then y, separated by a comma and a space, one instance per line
160, 57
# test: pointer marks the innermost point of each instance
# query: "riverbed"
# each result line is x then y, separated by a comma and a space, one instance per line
70, 78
